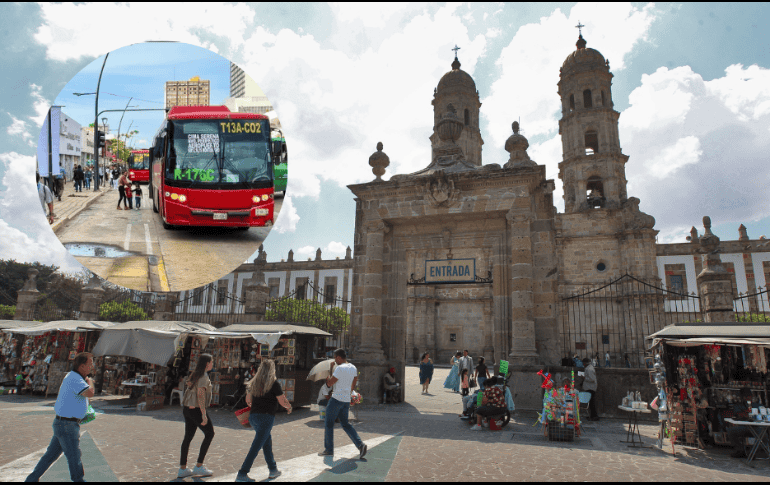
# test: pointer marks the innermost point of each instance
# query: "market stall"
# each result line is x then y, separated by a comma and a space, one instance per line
702, 368
560, 416
10, 352
47, 350
295, 349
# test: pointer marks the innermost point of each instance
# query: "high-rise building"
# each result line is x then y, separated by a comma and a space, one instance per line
245, 95
187, 93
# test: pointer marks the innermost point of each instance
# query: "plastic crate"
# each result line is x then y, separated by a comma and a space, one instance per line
557, 432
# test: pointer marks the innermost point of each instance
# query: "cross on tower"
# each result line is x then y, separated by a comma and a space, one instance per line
455, 49
580, 26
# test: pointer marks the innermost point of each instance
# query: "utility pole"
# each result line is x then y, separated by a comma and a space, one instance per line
96, 124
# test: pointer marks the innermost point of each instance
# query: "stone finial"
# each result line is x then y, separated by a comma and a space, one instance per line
318, 254
456, 64
379, 161
94, 282
290, 259
743, 234
31, 284
693, 235
348, 253
581, 43
517, 145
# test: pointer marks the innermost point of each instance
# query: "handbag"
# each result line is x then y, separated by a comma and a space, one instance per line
472, 382
243, 416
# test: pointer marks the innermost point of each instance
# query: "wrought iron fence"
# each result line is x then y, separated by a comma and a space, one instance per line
56, 305
609, 322
210, 304
754, 307
124, 305
311, 306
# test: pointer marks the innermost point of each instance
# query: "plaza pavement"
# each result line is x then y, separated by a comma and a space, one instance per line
421, 440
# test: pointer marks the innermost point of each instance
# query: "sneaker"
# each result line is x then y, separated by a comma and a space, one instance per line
274, 474
244, 479
202, 471
485, 424
476, 427
184, 473
363, 450
326, 453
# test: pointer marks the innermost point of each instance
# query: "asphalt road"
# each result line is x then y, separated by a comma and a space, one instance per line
130, 247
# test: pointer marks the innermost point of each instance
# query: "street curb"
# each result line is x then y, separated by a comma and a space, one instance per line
57, 226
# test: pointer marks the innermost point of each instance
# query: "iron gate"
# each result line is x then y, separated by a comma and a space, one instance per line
210, 304
754, 307
124, 305
56, 305
615, 317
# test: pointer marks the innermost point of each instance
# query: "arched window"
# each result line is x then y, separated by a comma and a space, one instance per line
587, 99
604, 103
591, 143
595, 192
467, 118
572, 102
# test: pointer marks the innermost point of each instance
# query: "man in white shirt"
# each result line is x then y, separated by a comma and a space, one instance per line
46, 198
344, 381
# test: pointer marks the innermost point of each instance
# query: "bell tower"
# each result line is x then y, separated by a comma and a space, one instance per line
593, 167
457, 88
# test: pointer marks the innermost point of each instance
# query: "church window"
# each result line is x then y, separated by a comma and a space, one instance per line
595, 192
572, 102
197, 298
601, 267
301, 292
587, 99
453, 337
591, 142
604, 103
467, 118
329, 295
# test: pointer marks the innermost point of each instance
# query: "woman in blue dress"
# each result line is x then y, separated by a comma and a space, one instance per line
453, 379
426, 371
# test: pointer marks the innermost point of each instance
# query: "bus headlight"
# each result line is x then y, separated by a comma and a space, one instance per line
131, 174
168, 194
182, 198
261, 212
174, 196
265, 197
255, 199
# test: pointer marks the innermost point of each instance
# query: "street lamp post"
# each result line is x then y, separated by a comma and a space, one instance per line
96, 122
121, 120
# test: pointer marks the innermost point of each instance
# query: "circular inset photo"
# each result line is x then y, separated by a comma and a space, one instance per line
161, 166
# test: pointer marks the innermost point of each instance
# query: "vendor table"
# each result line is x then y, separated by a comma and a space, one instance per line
633, 427
135, 384
760, 431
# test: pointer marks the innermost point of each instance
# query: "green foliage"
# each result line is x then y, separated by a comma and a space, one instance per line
124, 311
13, 275
7, 312
309, 312
753, 318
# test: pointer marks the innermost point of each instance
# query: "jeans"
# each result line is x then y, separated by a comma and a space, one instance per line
262, 424
138, 201
88, 183
77, 186
192, 421
481, 381
338, 409
66, 439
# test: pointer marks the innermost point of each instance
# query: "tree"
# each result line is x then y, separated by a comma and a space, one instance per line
309, 312
124, 311
7, 312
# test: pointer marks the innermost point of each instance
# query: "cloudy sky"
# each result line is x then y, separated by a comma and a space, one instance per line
691, 82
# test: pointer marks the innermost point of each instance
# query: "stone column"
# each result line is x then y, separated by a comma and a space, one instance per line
91, 298
370, 349
714, 282
523, 350
28, 296
256, 292
165, 306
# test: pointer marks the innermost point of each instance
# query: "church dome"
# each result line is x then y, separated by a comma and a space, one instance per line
456, 80
584, 59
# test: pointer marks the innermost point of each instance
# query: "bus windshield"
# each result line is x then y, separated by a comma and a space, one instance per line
219, 154
140, 161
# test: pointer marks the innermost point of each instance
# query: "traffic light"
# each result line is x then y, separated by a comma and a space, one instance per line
102, 141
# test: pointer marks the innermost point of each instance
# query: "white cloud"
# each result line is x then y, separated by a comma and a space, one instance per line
684, 151
40, 104
287, 218
334, 249
19, 128
305, 252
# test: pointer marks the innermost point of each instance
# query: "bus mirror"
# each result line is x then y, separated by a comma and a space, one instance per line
276, 147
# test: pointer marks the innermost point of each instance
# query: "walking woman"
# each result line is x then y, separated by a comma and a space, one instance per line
263, 395
453, 379
482, 374
197, 398
122, 182
426, 371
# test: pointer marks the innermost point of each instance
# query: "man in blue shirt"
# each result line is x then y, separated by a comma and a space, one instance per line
71, 406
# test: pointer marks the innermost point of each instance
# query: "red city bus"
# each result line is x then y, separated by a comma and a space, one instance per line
212, 167
139, 166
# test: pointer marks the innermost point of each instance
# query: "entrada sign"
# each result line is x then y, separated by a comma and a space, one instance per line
450, 271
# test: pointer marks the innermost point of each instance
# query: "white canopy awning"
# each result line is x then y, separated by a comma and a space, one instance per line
63, 326
7, 325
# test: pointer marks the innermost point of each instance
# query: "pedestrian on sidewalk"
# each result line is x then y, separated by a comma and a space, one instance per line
482, 373
464, 384
453, 379
492, 402
59, 183
137, 195
89, 175
127, 189
122, 183
426, 371
70, 408
590, 385
466, 362
79, 178
263, 395
46, 197
344, 381
197, 398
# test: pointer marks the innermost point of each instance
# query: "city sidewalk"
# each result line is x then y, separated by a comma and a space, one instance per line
72, 203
